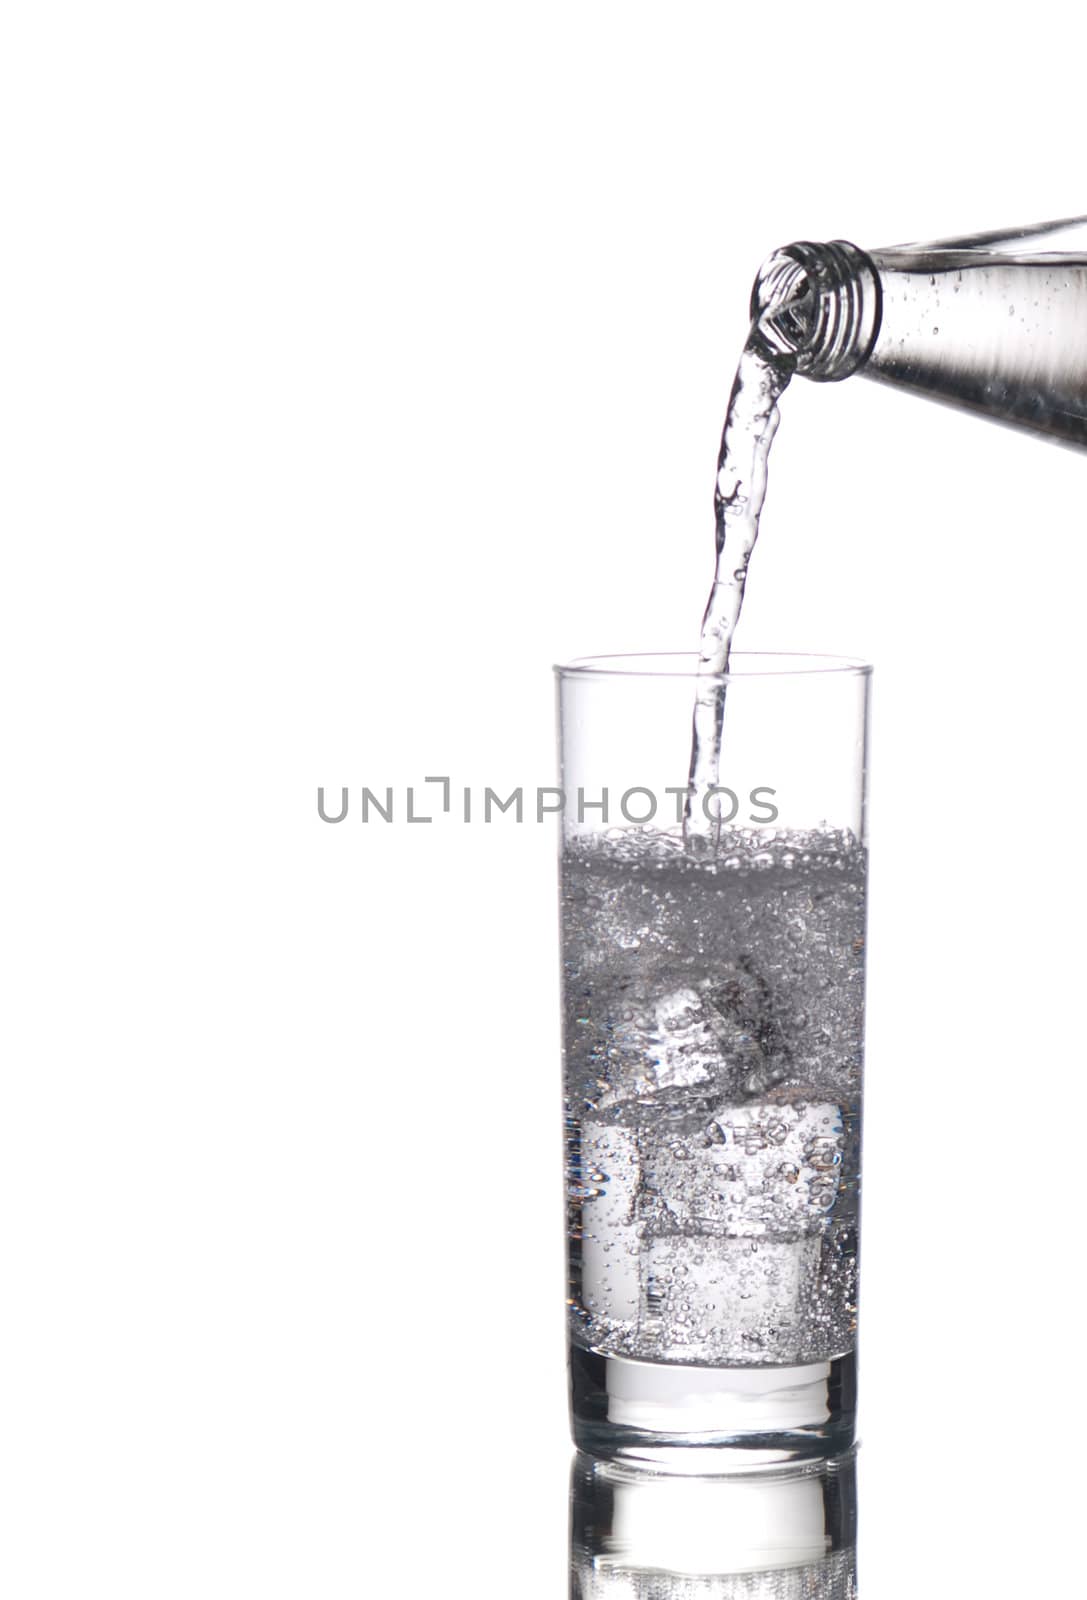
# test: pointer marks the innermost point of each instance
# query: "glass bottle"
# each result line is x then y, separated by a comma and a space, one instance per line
995, 323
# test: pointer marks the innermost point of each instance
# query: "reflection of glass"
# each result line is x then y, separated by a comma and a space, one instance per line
713, 993
775, 1534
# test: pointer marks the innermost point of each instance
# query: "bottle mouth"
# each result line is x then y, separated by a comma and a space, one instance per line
819, 307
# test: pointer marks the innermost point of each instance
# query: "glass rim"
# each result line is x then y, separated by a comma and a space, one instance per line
757, 664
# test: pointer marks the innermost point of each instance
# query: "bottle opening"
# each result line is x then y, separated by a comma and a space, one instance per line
819, 306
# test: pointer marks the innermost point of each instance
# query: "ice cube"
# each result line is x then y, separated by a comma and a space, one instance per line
687, 1050
661, 1033
751, 1004
719, 1298
755, 1170
662, 1037
610, 1282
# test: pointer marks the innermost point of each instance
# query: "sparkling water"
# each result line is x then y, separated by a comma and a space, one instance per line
714, 1008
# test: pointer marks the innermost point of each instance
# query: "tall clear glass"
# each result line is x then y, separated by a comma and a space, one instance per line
713, 994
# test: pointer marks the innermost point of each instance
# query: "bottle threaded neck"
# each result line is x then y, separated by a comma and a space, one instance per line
820, 305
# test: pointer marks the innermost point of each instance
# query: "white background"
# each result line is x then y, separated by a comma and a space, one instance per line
357, 363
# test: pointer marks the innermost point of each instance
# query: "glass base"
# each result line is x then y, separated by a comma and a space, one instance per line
710, 1419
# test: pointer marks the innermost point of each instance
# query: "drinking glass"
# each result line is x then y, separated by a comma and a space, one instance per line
713, 997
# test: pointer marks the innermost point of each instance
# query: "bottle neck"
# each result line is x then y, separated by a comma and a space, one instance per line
818, 305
